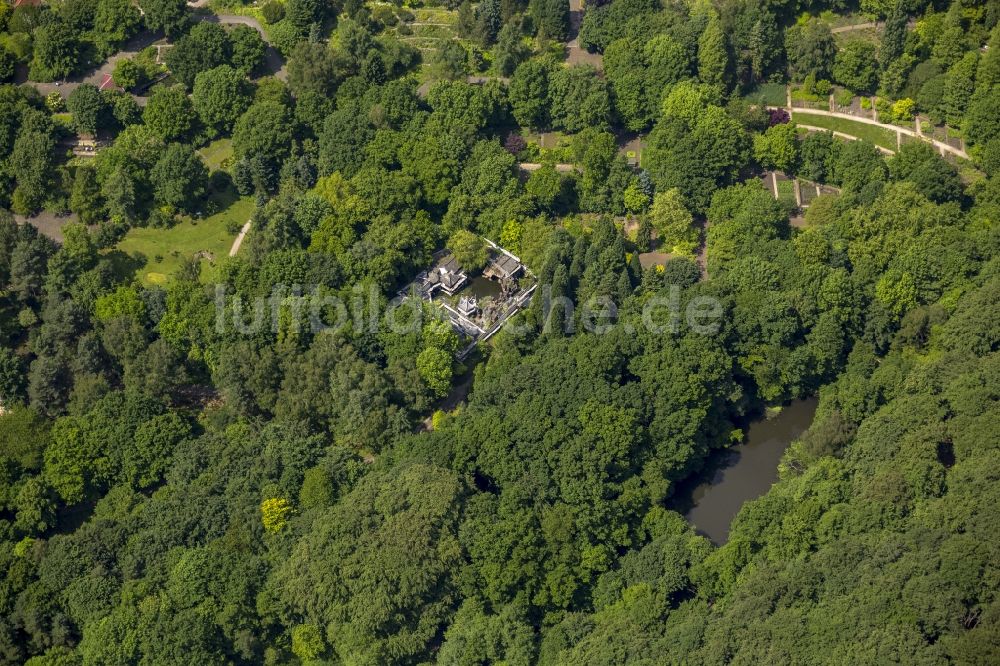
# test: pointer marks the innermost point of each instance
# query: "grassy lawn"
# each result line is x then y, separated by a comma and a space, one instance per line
877, 135
165, 249
839, 20
773, 94
423, 43
434, 15
786, 193
217, 154
432, 32
863, 35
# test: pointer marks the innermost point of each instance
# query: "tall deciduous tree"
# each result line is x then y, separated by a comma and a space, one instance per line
248, 48
85, 199
778, 148
469, 249
205, 47
114, 22
810, 49
179, 177
856, 67
169, 113
221, 96
7, 62
435, 368
87, 107
578, 99
265, 129
529, 92
32, 160
170, 16
56, 52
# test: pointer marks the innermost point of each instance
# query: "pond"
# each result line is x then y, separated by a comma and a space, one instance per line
734, 476
482, 287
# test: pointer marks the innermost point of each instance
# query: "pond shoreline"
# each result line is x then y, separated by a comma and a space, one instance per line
711, 499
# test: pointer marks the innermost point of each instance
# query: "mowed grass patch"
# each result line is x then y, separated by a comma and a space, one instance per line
218, 154
877, 135
774, 94
786, 193
164, 250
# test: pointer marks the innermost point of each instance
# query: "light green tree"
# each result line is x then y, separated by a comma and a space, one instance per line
469, 249
435, 368
674, 222
777, 148
635, 198
307, 642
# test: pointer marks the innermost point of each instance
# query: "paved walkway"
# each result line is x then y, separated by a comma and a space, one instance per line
574, 54
535, 166
899, 131
877, 25
275, 64
842, 135
48, 223
424, 88
239, 239
131, 49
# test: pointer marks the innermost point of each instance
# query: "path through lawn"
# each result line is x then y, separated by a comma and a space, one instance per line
165, 249
877, 135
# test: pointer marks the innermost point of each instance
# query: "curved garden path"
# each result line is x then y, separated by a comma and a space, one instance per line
941, 146
273, 61
130, 49
842, 135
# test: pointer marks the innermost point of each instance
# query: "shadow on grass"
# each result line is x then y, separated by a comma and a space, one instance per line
222, 195
125, 266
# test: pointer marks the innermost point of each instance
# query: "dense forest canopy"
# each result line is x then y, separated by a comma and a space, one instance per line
192, 470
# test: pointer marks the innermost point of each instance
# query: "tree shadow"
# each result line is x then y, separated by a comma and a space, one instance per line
125, 266
222, 193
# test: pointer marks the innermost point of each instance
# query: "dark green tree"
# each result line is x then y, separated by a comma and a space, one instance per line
551, 18
810, 49
85, 199
179, 177
207, 46
87, 107
169, 113
220, 97
56, 52
170, 16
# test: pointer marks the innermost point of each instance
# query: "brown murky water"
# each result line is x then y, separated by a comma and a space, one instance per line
742, 473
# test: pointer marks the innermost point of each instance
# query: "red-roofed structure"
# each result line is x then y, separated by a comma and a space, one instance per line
108, 83
27, 3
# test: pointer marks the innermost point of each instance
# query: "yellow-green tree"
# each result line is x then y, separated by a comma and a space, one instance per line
274, 513
307, 642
